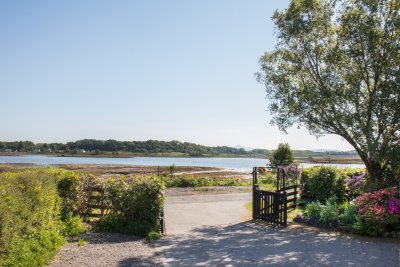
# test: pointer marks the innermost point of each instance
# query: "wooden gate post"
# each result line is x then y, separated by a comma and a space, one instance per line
285, 209
255, 188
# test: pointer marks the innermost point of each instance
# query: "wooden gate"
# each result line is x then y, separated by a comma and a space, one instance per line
272, 206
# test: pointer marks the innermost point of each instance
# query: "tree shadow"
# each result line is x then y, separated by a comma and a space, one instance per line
252, 244
138, 261
112, 238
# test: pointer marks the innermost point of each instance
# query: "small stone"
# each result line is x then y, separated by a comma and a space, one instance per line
386, 234
393, 234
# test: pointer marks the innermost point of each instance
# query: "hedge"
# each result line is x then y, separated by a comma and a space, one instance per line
323, 182
37, 208
135, 205
29, 218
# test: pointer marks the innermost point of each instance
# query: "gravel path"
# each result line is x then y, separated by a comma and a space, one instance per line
250, 244
107, 250
210, 229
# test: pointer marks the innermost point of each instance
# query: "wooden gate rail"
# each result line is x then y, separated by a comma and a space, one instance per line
291, 193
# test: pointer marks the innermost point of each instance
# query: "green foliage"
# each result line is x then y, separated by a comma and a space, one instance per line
198, 181
329, 212
81, 242
33, 250
283, 156
72, 226
135, 205
37, 205
349, 214
172, 169
364, 228
153, 236
323, 182
335, 71
313, 210
29, 216
70, 186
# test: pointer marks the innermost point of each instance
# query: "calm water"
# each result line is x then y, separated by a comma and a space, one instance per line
239, 164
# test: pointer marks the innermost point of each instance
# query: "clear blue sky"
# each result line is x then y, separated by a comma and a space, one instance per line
139, 70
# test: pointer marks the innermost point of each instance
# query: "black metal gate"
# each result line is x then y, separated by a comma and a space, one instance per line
272, 206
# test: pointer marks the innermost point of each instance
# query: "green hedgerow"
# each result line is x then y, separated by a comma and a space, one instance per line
34, 250
29, 217
135, 205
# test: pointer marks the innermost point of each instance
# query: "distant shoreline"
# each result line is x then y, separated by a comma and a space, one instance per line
317, 160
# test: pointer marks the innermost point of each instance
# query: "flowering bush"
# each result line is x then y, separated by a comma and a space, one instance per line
355, 185
292, 170
377, 212
394, 206
292, 173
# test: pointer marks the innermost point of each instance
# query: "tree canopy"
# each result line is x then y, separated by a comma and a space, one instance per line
335, 70
283, 156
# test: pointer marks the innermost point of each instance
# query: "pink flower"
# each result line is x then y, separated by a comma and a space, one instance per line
394, 206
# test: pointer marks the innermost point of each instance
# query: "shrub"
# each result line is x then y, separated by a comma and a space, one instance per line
377, 212
73, 226
135, 206
349, 214
321, 183
70, 186
153, 236
329, 212
313, 210
355, 185
34, 250
29, 217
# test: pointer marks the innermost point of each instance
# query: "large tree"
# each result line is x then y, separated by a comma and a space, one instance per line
335, 70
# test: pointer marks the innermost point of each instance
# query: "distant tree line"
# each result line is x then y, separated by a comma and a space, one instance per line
149, 147
141, 147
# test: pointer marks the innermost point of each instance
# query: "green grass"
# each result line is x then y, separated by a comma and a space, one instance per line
81, 242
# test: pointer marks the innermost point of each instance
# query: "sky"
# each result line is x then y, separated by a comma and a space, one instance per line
139, 70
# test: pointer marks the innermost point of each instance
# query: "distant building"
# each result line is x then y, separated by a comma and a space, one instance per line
81, 151
36, 150
7, 150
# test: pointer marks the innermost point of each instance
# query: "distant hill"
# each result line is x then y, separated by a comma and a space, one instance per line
153, 148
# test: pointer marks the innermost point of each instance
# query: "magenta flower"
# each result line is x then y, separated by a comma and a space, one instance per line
394, 207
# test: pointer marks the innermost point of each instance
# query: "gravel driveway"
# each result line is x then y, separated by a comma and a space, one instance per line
211, 229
